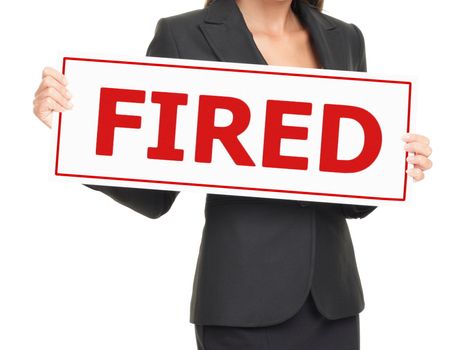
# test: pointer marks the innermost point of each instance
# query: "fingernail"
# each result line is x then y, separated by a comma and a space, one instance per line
70, 105
406, 146
67, 94
65, 81
410, 158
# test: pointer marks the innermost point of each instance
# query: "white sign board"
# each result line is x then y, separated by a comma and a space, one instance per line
235, 129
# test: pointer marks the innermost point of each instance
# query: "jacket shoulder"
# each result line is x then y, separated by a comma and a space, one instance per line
186, 34
186, 19
348, 28
174, 34
353, 38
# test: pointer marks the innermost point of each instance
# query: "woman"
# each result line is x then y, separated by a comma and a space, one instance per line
271, 273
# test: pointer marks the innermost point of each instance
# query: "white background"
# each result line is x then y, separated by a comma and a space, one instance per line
79, 271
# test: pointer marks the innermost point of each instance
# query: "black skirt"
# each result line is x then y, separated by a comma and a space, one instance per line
306, 330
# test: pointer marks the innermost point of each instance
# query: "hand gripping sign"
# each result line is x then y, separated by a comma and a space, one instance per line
235, 129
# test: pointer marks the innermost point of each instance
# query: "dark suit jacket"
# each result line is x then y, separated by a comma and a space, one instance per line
260, 257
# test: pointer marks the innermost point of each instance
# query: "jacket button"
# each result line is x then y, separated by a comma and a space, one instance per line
304, 204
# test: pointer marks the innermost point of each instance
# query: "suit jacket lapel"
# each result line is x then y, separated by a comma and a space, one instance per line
227, 34
326, 37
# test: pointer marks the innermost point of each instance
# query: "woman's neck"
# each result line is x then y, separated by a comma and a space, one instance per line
272, 17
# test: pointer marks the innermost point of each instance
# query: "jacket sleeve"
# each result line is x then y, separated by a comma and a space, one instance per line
351, 211
150, 203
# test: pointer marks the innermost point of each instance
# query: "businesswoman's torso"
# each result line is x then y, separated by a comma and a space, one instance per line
259, 258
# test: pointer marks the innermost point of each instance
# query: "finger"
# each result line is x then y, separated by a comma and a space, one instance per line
57, 96
420, 161
418, 167
419, 148
49, 71
410, 137
46, 106
46, 118
416, 174
49, 82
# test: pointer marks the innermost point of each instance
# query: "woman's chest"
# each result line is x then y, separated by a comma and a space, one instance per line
294, 50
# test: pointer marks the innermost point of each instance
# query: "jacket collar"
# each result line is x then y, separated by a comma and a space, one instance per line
227, 33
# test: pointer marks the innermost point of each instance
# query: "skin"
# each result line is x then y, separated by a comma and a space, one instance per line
280, 38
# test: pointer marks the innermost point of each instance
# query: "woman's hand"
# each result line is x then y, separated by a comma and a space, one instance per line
51, 95
420, 146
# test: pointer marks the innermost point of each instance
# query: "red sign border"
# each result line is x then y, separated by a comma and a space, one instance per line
238, 71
